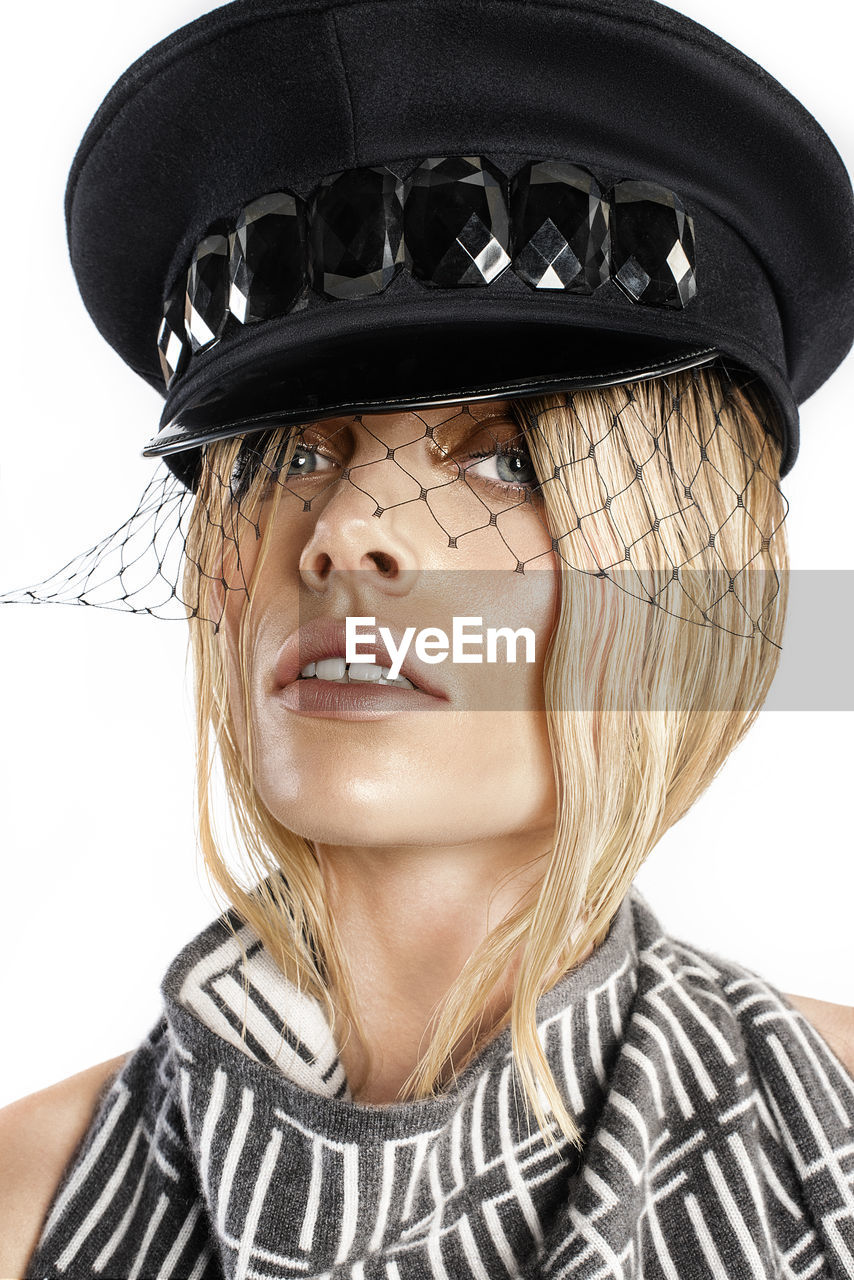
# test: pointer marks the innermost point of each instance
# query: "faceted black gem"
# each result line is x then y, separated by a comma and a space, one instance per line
561, 227
172, 345
652, 248
456, 221
206, 303
356, 232
268, 261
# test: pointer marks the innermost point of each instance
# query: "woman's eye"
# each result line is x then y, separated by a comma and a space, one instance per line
508, 468
306, 460
250, 465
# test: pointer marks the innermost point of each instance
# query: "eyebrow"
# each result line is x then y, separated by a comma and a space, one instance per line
489, 417
500, 408
449, 435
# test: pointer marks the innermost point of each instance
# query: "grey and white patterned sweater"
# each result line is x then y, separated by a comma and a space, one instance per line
718, 1138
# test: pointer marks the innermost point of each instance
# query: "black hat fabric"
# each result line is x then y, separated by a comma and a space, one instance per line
340, 143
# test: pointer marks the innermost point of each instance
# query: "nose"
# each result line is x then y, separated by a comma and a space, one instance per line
356, 531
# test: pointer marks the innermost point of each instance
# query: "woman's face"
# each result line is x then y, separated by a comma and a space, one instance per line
469, 762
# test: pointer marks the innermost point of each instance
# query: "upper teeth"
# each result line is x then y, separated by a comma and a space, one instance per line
337, 669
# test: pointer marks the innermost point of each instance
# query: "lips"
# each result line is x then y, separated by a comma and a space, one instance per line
326, 638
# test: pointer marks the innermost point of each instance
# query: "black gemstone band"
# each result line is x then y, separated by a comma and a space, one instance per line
454, 222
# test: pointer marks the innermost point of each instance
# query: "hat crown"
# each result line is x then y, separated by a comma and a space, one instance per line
259, 96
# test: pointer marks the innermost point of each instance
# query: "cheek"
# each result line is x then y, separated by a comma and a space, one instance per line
252, 634
506, 763
522, 602
238, 687
234, 570
234, 686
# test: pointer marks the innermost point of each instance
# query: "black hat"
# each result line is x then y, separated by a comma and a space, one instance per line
287, 210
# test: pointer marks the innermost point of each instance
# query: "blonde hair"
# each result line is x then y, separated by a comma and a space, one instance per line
679, 471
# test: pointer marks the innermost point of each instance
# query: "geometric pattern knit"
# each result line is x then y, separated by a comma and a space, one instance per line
718, 1132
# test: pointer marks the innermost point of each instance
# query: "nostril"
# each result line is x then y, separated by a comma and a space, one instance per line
384, 562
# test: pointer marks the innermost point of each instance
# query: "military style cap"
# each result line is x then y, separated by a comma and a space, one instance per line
288, 209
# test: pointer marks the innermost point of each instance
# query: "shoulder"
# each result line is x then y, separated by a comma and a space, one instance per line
38, 1137
710, 993
833, 1022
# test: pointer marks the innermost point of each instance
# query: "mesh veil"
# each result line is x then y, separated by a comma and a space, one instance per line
668, 487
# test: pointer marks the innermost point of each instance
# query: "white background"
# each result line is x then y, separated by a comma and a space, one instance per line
101, 884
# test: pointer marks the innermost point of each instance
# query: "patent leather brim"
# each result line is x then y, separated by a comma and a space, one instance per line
265, 377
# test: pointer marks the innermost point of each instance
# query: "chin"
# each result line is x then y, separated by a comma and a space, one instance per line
334, 806
348, 824
389, 811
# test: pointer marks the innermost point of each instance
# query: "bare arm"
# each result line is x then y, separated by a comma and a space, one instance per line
38, 1136
835, 1022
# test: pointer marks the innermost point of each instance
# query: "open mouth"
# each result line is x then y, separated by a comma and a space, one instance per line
337, 671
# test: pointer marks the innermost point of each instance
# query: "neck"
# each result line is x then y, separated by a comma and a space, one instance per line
408, 919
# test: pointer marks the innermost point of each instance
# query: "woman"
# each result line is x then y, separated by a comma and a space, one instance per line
237, 519
413, 889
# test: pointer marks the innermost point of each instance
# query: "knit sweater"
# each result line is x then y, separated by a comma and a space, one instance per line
718, 1135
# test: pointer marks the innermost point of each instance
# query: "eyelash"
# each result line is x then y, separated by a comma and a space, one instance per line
501, 486
505, 486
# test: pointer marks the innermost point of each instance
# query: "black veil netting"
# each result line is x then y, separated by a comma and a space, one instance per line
655, 491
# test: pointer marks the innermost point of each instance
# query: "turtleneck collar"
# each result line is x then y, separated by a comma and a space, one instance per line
285, 1154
